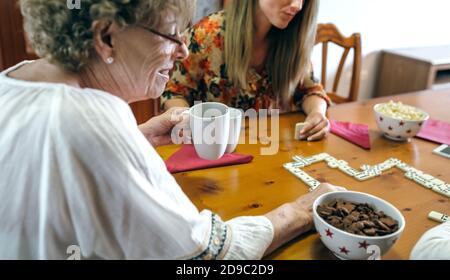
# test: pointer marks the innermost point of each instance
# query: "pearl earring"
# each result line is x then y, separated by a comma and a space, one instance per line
109, 60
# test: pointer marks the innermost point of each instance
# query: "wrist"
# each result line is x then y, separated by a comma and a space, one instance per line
322, 110
303, 214
315, 104
145, 129
317, 112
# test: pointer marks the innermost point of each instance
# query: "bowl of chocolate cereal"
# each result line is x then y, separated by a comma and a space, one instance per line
357, 226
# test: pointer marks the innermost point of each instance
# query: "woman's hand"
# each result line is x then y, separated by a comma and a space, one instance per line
316, 127
317, 124
305, 202
158, 130
295, 218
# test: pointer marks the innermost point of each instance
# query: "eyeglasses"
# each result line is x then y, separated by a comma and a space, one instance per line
168, 37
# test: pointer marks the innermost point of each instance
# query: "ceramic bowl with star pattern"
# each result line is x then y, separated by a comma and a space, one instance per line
350, 246
396, 128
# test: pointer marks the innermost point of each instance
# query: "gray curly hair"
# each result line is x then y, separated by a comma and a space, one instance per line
64, 36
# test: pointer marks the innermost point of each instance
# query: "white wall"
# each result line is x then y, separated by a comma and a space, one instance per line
383, 24
206, 7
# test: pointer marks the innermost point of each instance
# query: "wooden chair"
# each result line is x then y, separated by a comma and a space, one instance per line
328, 33
13, 47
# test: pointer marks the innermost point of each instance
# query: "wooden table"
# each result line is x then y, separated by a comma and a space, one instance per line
263, 185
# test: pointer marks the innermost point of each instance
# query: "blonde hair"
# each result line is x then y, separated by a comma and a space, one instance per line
288, 59
64, 36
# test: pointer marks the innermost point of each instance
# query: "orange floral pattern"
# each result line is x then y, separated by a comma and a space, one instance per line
202, 76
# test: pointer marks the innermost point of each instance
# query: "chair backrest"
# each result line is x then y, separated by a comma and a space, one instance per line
13, 47
327, 33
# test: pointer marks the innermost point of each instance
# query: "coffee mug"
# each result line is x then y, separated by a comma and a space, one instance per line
210, 127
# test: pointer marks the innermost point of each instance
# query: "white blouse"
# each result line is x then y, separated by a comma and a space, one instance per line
434, 244
76, 170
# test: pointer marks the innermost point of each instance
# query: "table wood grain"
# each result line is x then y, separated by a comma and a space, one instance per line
263, 185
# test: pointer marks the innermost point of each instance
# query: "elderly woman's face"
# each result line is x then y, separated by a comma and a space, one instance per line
145, 59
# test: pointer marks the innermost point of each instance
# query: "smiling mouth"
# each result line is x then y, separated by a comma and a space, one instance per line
290, 14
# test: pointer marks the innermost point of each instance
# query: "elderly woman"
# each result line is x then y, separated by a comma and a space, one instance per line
434, 244
75, 167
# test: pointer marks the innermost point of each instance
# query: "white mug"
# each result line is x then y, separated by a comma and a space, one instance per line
210, 127
235, 130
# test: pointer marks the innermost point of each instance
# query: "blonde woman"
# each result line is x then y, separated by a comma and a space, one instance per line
255, 54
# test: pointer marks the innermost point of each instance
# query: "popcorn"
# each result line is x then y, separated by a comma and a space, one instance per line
400, 111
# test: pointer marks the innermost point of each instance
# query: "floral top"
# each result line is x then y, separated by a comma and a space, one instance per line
202, 76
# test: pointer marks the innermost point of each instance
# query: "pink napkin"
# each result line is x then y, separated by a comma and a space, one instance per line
436, 131
186, 159
356, 133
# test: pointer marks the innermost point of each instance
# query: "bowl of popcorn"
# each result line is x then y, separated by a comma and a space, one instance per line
399, 122
357, 226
